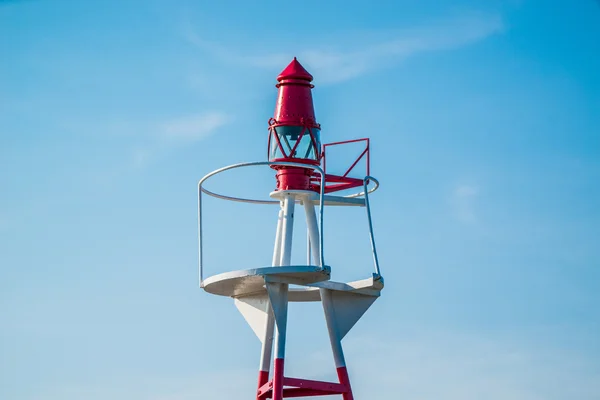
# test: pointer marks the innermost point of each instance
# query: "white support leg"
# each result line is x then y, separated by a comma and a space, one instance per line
335, 338
267, 349
267, 342
287, 230
308, 252
278, 293
313, 231
278, 234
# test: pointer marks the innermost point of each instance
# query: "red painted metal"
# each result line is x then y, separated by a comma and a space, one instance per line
342, 373
305, 387
295, 107
265, 391
336, 183
278, 380
324, 387
355, 162
294, 102
263, 378
294, 179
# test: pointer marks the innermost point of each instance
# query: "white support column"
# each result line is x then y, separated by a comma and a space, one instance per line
281, 293
278, 295
313, 231
278, 234
288, 229
334, 336
266, 353
267, 348
308, 252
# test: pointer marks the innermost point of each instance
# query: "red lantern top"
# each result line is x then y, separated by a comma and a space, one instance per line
294, 102
294, 136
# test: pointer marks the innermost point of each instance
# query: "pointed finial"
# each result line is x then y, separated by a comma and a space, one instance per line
295, 70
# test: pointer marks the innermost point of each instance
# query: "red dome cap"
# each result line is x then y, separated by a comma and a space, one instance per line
295, 70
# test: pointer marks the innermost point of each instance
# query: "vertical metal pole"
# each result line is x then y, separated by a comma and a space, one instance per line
267, 349
288, 229
371, 235
281, 328
200, 272
277, 247
327, 301
313, 230
280, 336
267, 342
336, 343
308, 255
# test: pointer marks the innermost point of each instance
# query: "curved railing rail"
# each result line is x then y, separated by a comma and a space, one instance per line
371, 235
366, 191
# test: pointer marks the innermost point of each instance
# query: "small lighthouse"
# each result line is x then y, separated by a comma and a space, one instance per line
294, 134
262, 294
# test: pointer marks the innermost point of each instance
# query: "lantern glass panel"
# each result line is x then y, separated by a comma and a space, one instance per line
288, 137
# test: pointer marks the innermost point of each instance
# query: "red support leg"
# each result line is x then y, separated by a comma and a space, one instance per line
345, 380
263, 377
278, 379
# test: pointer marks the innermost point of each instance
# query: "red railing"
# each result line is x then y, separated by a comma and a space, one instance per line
343, 182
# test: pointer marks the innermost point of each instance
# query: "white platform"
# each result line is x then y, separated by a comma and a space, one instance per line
312, 278
313, 197
368, 287
250, 281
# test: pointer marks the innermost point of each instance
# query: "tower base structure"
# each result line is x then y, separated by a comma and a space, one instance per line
262, 295
266, 313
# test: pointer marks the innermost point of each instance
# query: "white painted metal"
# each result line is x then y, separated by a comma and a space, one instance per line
310, 292
313, 230
322, 200
278, 292
267, 340
308, 252
277, 247
282, 163
267, 337
262, 294
368, 287
215, 172
371, 235
287, 229
347, 307
251, 281
331, 200
278, 296
335, 338
254, 309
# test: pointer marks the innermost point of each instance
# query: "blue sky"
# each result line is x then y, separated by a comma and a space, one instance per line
485, 127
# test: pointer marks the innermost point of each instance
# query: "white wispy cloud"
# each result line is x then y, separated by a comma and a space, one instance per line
333, 64
463, 202
172, 133
194, 127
